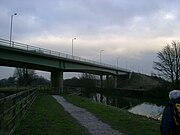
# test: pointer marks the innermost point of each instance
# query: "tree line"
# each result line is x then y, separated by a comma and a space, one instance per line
24, 77
28, 77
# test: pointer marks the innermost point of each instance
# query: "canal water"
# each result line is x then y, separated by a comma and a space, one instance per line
152, 108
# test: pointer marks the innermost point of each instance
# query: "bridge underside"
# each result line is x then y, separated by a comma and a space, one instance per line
27, 59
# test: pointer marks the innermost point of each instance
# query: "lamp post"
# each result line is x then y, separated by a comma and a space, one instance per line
11, 27
72, 44
101, 55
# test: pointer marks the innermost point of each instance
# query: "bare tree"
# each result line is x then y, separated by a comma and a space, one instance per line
169, 62
24, 76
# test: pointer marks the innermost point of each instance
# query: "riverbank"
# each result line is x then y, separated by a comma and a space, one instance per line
46, 116
117, 118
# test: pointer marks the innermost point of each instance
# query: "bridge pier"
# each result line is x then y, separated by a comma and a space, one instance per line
110, 81
57, 81
101, 81
115, 81
107, 81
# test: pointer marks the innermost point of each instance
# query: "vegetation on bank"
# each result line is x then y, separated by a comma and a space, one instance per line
47, 117
121, 120
140, 81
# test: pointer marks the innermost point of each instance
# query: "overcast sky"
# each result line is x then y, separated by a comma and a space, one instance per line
133, 30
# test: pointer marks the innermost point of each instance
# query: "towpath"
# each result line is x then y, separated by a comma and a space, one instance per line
87, 119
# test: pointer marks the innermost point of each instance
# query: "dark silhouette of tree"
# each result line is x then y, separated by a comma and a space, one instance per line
24, 76
40, 80
11, 80
73, 82
8, 82
169, 62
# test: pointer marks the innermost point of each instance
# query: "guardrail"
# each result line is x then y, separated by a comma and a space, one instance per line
13, 108
55, 53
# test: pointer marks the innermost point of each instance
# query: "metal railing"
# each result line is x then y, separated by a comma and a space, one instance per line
35, 49
13, 108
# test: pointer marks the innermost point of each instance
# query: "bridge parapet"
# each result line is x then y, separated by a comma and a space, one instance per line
43, 51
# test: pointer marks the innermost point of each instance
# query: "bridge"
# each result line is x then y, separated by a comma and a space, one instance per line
15, 54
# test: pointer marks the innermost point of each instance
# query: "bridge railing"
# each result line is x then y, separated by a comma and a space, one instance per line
55, 53
13, 108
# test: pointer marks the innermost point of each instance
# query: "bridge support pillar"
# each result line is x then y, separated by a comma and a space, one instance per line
107, 81
115, 81
57, 81
101, 81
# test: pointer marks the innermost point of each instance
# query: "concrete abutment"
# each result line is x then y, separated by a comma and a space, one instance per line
57, 81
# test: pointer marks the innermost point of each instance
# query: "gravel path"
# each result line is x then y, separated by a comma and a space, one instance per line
87, 119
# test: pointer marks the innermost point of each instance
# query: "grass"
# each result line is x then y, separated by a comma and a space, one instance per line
118, 119
47, 117
13, 88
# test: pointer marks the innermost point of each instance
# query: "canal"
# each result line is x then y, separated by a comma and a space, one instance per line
149, 107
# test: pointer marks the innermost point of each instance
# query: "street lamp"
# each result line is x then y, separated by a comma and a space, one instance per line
11, 26
72, 45
101, 55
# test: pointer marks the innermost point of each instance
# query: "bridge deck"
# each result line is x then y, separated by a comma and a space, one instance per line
38, 50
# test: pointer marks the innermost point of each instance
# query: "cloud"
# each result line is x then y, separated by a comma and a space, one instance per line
130, 29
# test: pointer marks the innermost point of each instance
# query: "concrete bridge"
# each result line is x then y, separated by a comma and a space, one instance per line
21, 55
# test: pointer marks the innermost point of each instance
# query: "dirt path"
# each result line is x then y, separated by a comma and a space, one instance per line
87, 119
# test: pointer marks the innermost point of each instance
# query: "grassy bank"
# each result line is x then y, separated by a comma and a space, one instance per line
47, 117
118, 119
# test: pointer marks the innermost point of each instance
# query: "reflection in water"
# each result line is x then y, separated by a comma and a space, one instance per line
133, 105
147, 109
100, 98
